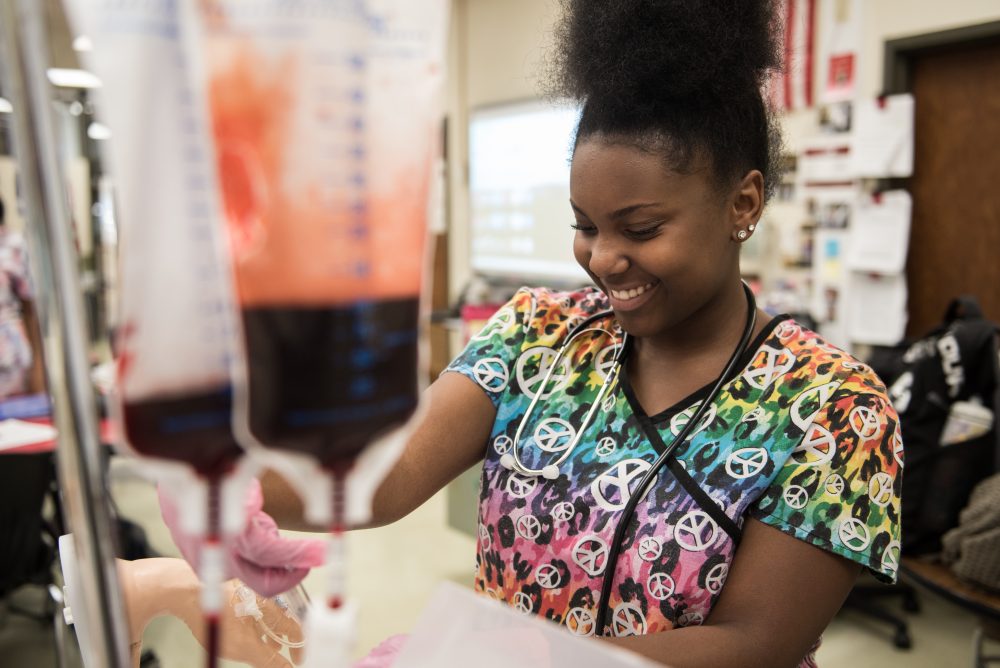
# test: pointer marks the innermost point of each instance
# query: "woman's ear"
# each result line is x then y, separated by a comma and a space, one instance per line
747, 204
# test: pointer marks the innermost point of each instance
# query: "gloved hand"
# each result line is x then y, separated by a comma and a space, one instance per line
259, 556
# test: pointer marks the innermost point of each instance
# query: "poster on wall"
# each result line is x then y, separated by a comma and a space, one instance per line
792, 87
840, 45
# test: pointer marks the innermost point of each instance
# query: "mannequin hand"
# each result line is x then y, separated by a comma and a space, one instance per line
259, 556
243, 638
156, 587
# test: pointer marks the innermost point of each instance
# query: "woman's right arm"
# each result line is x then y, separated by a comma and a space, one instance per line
450, 438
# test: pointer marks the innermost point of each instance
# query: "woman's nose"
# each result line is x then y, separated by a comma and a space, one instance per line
607, 258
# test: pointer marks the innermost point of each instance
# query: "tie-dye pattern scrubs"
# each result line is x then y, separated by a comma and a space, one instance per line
802, 438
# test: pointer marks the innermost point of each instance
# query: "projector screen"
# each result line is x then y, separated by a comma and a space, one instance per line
519, 191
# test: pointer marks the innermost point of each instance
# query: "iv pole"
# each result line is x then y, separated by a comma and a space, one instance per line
54, 269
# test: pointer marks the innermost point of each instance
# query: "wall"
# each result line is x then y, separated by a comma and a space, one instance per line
497, 49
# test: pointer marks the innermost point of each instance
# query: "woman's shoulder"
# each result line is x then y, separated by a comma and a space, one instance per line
815, 355
549, 313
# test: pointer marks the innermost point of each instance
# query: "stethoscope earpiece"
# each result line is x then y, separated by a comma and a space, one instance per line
550, 472
507, 461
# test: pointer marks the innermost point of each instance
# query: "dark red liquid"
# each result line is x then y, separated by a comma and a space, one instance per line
328, 381
194, 429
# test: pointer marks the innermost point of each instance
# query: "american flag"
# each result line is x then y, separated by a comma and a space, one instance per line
792, 88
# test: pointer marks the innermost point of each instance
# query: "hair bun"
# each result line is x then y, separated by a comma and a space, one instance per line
648, 51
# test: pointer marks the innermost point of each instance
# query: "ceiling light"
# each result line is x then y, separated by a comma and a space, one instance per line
73, 78
5, 106
98, 131
82, 43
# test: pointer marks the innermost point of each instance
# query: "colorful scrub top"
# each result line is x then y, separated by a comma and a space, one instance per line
802, 438
15, 287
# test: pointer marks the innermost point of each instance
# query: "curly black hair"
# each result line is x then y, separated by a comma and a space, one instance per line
682, 78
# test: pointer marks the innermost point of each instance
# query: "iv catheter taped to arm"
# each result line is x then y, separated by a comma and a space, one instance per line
259, 555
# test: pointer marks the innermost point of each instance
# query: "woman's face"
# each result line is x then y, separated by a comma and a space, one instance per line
660, 243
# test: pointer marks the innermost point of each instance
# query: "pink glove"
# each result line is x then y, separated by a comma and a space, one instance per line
384, 654
259, 556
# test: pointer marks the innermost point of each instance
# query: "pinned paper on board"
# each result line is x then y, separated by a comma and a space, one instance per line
882, 138
880, 233
878, 315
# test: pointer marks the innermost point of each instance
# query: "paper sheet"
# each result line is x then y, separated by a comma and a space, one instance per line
18, 433
882, 138
878, 311
880, 233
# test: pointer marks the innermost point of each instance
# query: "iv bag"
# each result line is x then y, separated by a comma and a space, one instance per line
325, 118
177, 342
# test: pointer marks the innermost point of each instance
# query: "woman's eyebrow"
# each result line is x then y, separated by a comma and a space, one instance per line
619, 213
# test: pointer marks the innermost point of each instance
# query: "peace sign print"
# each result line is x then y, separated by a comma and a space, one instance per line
854, 534
716, 578
810, 402
502, 444
788, 330
753, 416
554, 434
563, 512
795, 496
605, 361
484, 537
690, 619
591, 554
660, 586
580, 622
679, 421
520, 486
608, 403
880, 489
548, 576
605, 447
498, 324
650, 548
491, 374
528, 527
834, 484
817, 447
746, 462
523, 603
533, 366
865, 422
776, 364
612, 489
628, 620
890, 557
696, 531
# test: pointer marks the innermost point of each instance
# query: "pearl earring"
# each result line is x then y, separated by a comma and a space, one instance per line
752, 228
742, 235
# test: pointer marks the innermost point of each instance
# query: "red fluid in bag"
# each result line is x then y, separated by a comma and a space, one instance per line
327, 382
195, 429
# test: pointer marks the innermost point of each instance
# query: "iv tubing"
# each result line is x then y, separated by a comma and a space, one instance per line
212, 569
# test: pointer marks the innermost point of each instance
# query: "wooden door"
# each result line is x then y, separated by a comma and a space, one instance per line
955, 239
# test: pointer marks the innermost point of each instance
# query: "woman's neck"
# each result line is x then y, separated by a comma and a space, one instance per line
666, 368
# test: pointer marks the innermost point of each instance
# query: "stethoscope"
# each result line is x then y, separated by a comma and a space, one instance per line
512, 461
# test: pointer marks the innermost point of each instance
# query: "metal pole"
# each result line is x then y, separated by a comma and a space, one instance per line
60, 307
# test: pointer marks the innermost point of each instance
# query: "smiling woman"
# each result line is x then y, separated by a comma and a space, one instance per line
663, 465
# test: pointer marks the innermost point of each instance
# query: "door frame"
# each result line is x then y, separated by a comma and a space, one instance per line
899, 53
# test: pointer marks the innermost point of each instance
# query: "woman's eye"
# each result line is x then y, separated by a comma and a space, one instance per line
647, 232
584, 228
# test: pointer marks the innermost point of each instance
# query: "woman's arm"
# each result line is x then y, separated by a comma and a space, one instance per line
451, 437
780, 594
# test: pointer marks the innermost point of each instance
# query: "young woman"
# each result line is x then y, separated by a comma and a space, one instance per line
663, 464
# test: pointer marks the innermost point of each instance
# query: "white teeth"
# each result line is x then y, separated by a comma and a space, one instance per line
632, 293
